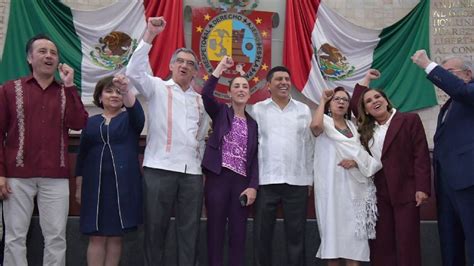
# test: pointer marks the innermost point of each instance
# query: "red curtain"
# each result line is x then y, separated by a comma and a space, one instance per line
297, 47
171, 38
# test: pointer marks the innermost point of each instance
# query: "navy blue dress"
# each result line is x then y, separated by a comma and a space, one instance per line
111, 197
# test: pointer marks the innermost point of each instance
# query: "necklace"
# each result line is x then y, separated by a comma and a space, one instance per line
345, 131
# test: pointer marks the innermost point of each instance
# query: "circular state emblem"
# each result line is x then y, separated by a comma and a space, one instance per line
234, 4
234, 35
332, 63
114, 50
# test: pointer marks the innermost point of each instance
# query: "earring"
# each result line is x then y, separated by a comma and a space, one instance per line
329, 113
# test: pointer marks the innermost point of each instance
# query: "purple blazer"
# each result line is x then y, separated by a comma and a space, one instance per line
222, 116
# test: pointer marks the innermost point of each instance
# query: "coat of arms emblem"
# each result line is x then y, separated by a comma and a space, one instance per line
332, 63
113, 51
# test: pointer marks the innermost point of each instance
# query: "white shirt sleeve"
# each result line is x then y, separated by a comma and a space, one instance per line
139, 70
430, 67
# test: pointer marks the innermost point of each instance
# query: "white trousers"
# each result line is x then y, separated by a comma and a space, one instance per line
53, 205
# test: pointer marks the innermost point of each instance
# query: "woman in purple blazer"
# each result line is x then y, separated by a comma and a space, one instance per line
231, 167
404, 183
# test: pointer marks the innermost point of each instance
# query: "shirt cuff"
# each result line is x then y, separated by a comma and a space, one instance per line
146, 45
430, 67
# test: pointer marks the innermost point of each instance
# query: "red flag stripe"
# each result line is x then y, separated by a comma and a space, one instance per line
298, 50
171, 38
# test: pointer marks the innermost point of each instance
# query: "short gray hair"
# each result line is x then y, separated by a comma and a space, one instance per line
466, 64
174, 57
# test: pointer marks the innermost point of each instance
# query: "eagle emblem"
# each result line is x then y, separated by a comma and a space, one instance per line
332, 63
114, 50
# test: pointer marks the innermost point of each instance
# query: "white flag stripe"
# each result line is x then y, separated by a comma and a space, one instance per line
124, 16
356, 43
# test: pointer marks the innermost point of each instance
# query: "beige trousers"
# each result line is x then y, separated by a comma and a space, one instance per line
53, 205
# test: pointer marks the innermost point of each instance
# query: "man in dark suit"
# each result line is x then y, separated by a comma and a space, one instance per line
454, 156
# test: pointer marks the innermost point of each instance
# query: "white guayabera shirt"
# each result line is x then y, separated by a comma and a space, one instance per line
285, 153
177, 121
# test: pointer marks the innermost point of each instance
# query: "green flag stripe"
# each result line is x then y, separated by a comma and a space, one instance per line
404, 82
28, 18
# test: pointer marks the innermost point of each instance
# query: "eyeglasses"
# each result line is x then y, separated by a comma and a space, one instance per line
338, 99
188, 62
454, 70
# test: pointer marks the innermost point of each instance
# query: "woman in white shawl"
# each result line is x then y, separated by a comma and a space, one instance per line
344, 190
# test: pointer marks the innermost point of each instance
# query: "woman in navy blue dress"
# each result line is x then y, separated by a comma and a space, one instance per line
108, 171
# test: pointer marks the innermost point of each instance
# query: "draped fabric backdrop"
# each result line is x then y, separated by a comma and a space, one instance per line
95, 43
324, 50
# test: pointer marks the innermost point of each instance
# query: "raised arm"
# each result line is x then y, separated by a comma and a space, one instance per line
458, 84
210, 103
134, 108
75, 115
359, 88
138, 68
317, 124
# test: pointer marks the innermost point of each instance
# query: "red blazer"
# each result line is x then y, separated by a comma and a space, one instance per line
405, 155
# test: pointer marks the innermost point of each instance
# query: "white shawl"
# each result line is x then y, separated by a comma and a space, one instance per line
362, 191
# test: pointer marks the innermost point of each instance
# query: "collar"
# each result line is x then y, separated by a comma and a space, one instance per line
31, 78
171, 82
269, 101
389, 120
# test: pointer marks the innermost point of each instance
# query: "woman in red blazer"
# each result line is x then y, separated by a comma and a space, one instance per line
398, 140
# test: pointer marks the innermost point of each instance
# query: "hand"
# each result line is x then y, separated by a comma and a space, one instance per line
77, 196
347, 164
67, 74
156, 25
121, 82
225, 63
372, 74
326, 95
5, 189
421, 59
251, 195
240, 68
420, 197
369, 76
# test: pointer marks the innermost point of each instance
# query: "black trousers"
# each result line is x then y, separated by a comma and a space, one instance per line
294, 200
162, 190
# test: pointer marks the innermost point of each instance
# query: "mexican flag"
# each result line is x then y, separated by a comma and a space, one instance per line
324, 50
95, 43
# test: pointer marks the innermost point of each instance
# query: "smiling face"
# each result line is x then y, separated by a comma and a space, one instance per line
239, 91
280, 85
339, 104
376, 105
111, 99
43, 58
183, 69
